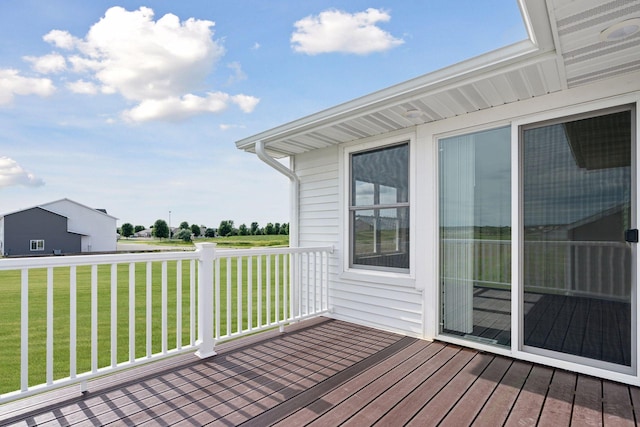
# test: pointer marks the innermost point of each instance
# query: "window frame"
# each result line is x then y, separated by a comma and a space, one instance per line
379, 274
38, 243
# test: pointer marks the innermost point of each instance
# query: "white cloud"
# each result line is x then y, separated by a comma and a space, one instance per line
245, 102
178, 108
46, 64
339, 31
61, 39
12, 83
238, 74
11, 174
83, 87
227, 126
160, 64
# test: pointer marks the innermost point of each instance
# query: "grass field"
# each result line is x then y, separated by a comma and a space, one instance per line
222, 242
10, 315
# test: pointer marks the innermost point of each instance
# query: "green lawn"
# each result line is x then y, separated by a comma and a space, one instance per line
222, 242
10, 315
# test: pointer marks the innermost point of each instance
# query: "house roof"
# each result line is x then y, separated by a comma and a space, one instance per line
100, 211
564, 50
45, 205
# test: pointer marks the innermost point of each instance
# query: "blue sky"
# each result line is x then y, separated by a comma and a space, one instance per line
135, 106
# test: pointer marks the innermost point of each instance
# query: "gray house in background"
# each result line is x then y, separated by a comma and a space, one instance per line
59, 227
37, 231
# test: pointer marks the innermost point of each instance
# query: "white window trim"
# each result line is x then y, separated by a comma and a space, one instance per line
36, 241
395, 278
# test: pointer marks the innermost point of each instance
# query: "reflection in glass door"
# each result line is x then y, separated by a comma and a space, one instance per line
577, 266
475, 236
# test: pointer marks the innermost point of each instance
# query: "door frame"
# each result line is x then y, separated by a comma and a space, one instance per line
552, 358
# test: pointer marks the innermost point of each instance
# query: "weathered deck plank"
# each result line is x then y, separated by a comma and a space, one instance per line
336, 373
557, 406
472, 402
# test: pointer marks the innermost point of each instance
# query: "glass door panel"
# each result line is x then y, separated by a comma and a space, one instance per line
475, 236
577, 266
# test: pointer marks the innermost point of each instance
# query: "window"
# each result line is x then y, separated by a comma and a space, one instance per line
475, 235
379, 208
37, 245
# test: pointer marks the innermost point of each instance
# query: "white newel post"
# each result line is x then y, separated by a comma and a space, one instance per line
205, 341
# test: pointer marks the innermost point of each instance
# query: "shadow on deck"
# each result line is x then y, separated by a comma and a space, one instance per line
326, 372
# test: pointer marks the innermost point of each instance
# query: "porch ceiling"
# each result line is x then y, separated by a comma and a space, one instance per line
564, 50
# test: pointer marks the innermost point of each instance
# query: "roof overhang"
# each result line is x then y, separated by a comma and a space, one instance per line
527, 69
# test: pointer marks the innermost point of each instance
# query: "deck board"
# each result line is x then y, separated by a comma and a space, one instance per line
557, 406
472, 402
329, 372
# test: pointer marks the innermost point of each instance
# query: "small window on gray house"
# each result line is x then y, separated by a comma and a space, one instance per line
379, 208
37, 245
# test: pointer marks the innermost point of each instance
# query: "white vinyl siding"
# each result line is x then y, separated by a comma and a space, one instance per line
367, 299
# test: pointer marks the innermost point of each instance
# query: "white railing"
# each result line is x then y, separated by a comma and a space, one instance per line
588, 268
70, 319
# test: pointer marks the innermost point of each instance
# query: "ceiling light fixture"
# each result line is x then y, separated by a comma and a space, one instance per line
413, 113
621, 30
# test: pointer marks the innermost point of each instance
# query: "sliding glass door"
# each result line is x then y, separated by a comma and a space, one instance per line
475, 236
577, 264
577, 234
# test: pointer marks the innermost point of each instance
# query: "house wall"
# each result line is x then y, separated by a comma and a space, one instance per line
622, 90
364, 297
38, 224
97, 228
410, 305
1, 236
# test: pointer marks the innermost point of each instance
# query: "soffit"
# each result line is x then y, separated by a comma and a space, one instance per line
585, 56
564, 51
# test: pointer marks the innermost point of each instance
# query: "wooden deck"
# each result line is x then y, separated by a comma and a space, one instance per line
326, 373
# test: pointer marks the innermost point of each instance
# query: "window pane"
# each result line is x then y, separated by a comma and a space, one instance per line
475, 235
381, 237
380, 176
577, 266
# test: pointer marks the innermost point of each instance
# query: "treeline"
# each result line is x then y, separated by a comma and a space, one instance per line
185, 231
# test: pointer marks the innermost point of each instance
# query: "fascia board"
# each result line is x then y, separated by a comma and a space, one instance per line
459, 74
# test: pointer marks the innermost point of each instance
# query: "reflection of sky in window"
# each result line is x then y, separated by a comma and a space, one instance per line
386, 169
365, 194
557, 191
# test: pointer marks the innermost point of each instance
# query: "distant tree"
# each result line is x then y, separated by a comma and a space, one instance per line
209, 232
126, 230
195, 229
243, 230
184, 234
254, 228
276, 228
226, 228
184, 225
161, 229
284, 229
268, 229
138, 228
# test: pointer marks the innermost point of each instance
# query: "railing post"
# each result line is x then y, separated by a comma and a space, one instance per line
205, 343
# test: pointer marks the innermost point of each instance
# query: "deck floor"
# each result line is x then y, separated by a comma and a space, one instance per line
586, 327
328, 372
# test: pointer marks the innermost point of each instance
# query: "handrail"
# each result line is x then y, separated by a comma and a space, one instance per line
98, 259
170, 303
